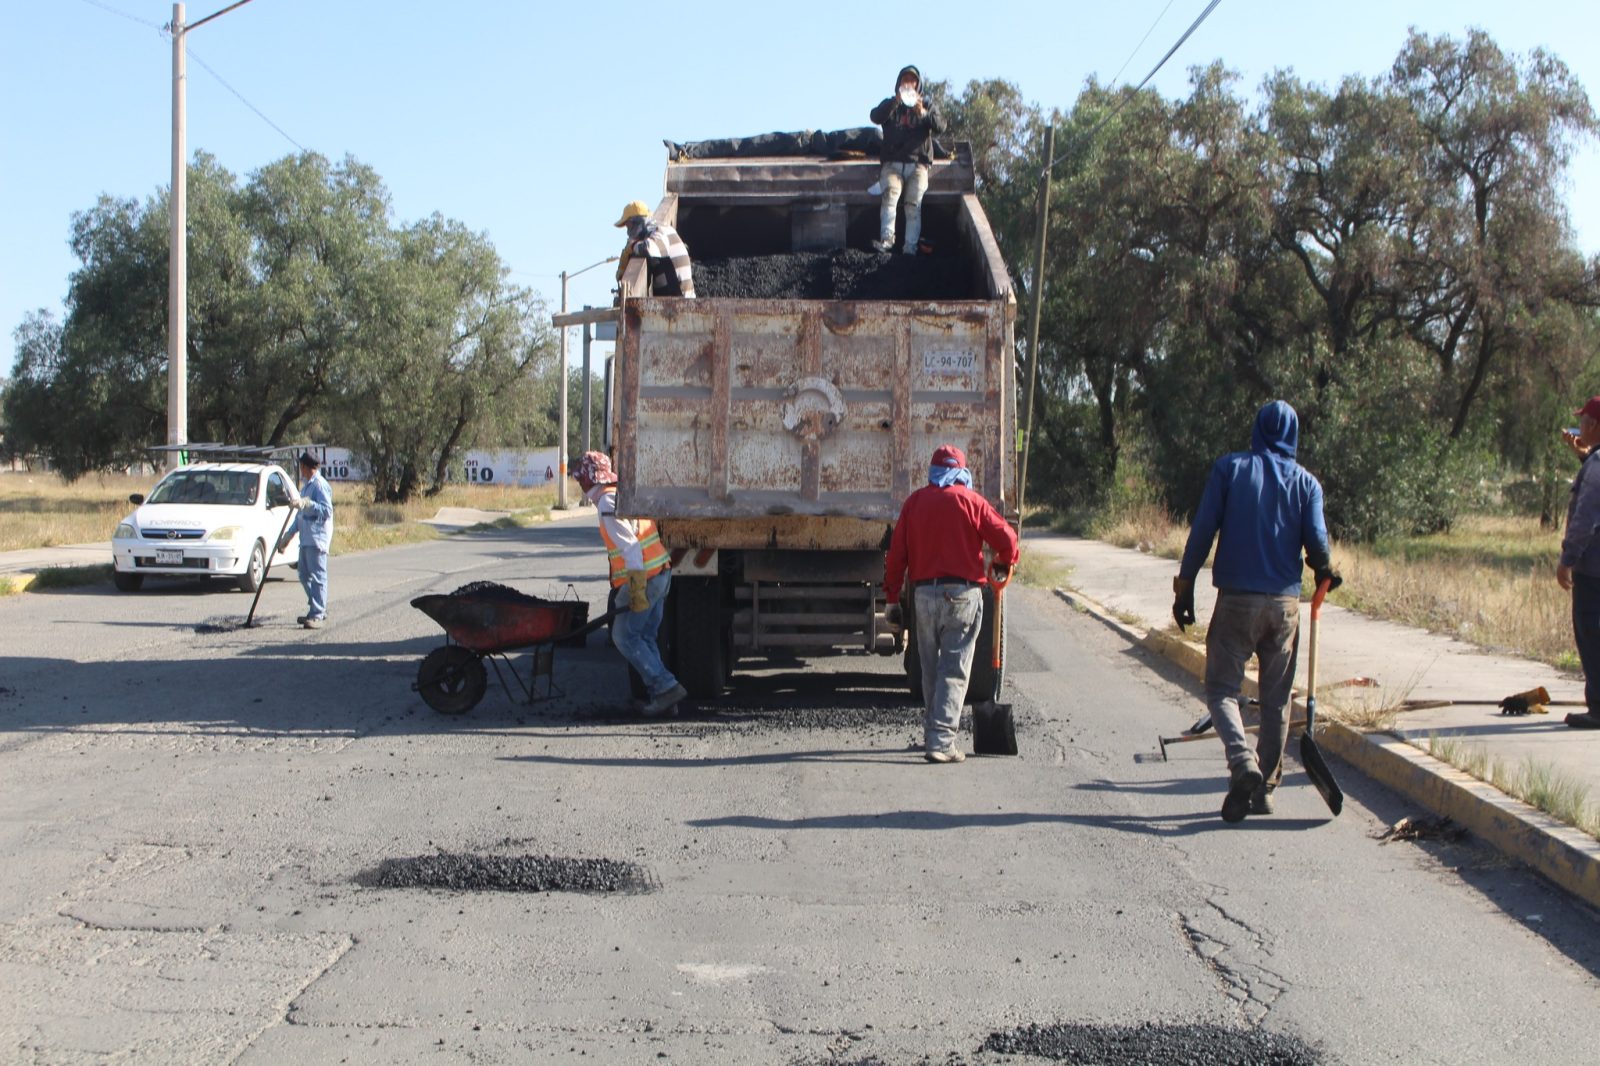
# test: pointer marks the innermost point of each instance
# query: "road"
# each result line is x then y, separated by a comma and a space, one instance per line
187, 816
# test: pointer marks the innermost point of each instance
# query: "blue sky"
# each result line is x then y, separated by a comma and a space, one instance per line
534, 123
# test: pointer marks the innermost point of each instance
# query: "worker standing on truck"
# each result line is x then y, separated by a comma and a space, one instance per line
1267, 507
640, 564
938, 541
909, 121
671, 272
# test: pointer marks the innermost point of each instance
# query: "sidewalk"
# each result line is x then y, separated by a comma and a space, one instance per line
1135, 590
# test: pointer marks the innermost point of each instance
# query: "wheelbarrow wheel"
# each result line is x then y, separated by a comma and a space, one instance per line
452, 679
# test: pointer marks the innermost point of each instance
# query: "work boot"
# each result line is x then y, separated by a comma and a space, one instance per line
1589, 720
312, 623
665, 702
1244, 780
942, 755
1261, 801
883, 246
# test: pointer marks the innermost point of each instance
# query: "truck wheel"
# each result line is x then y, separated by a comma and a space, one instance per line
913, 659
700, 645
984, 682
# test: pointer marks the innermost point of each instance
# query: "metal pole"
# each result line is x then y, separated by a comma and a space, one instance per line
177, 258
588, 335
561, 386
1038, 304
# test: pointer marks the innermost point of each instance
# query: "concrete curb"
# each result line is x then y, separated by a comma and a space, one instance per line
19, 582
1564, 855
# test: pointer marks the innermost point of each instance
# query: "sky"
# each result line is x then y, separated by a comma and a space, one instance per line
534, 123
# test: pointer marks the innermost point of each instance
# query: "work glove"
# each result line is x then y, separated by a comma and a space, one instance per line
638, 599
1330, 575
1531, 701
893, 615
1000, 572
300, 503
1183, 602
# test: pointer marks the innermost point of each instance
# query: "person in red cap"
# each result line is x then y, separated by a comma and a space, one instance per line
938, 542
1578, 570
640, 564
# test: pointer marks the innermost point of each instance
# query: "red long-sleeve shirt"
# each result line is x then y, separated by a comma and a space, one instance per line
941, 533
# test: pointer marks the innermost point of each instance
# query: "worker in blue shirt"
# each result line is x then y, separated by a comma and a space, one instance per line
1266, 507
315, 525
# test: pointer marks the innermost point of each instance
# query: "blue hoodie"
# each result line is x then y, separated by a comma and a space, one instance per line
1267, 507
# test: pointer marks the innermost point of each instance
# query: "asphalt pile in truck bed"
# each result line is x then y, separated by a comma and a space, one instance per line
838, 275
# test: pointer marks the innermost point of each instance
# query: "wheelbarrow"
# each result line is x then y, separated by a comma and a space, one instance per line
484, 622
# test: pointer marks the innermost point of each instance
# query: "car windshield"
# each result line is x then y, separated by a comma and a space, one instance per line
231, 487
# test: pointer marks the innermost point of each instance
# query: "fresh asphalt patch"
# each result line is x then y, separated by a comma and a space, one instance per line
507, 873
1151, 1044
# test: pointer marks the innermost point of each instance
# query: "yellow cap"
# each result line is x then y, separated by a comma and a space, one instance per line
637, 209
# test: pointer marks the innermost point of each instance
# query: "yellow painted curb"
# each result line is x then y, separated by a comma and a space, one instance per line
1565, 855
18, 582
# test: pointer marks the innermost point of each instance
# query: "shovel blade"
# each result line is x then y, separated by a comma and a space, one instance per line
1322, 777
994, 731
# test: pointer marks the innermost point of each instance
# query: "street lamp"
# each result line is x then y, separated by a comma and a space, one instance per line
561, 445
178, 243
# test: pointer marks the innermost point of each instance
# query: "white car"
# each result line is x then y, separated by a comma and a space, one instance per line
207, 520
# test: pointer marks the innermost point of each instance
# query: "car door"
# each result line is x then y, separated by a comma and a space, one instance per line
278, 511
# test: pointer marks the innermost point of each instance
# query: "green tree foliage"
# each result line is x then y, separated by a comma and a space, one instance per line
311, 314
1391, 256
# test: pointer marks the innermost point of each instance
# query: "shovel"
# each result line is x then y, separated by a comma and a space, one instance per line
994, 731
1310, 754
250, 619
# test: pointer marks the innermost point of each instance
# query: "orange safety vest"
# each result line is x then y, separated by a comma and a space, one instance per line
655, 556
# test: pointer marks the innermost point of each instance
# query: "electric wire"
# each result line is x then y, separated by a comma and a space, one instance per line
123, 14
1127, 97
259, 113
1143, 39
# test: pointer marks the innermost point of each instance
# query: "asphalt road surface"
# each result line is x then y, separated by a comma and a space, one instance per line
191, 823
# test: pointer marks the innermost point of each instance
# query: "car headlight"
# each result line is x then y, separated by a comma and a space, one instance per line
125, 531
225, 533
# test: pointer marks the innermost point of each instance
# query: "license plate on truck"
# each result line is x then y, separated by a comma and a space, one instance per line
169, 557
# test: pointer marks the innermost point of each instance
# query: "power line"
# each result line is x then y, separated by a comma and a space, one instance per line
259, 113
123, 14
1195, 25
1143, 39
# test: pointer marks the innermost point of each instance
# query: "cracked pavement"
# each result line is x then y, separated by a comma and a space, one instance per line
183, 817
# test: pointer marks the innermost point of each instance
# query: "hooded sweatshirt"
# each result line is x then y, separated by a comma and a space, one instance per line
907, 136
1266, 506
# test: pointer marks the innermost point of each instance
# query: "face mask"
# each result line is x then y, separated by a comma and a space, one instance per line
908, 96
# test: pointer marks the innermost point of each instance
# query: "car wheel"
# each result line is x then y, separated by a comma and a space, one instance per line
250, 580
127, 582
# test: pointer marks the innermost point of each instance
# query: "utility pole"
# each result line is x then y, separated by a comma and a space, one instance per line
178, 240
178, 258
588, 339
1038, 309
561, 386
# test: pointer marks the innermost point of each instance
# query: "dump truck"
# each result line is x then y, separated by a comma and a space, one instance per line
773, 441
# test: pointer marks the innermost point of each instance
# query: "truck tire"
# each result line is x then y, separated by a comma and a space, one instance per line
700, 641
913, 659
984, 681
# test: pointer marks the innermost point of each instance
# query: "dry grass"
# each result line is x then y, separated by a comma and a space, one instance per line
1041, 570
1490, 581
1536, 783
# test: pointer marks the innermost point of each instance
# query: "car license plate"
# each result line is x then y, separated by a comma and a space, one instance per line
169, 557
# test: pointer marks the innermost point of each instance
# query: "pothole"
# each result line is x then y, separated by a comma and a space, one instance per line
1150, 1044
507, 873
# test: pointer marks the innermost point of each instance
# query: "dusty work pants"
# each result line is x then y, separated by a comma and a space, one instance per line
1586, 632
313, 567
1245, 624
910, 179
634, 633
948, 620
